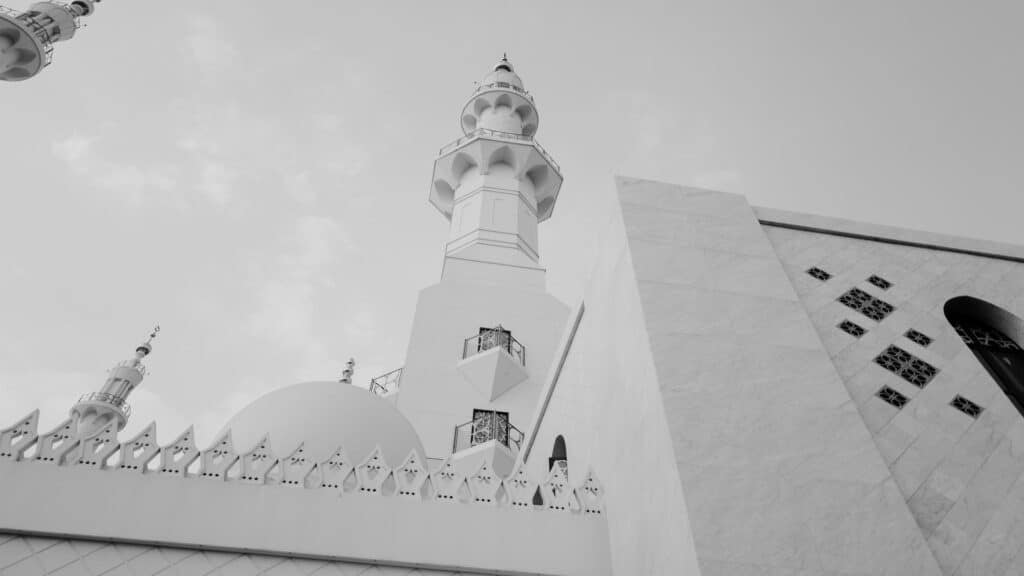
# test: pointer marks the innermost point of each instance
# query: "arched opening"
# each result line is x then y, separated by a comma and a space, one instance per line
558, 453
992, 334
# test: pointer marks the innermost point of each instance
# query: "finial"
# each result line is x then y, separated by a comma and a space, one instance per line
147, 346
504, 56
350, 369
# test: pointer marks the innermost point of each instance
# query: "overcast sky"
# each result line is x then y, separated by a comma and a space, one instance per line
254, 177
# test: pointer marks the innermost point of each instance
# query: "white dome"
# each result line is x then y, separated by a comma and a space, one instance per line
325, 415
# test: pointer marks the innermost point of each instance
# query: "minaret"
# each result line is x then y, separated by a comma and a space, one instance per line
495, 184
27, 38
485, 336
96, 410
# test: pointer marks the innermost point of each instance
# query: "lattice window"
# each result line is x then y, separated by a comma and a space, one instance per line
918, 338
907, 366
819, 273
985, 337
892, 397
966, 406
880, 282
851, 329
866, 304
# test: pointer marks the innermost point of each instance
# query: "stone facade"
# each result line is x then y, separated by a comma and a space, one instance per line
962, 478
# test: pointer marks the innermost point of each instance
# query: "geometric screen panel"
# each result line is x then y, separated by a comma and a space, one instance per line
907, 366
866, 304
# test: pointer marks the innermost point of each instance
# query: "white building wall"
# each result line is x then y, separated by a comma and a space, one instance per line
779, 472
35, 556
607, 406
963, 478
434, 396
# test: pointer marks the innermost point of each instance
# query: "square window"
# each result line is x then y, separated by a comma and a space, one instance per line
906, 366
866, 304
918, 338
851, 329
966, 406
819, 273
892, 397
880, 282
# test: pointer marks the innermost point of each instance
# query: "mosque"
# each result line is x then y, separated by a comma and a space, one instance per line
737, 391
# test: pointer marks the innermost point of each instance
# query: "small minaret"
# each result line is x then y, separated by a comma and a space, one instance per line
96, 410
27, 38
350, 369
495, 185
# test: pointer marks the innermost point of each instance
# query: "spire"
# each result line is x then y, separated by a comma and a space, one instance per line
95, 410
350, 369
27, 38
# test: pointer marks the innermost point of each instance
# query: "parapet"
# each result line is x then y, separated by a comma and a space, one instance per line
341, 508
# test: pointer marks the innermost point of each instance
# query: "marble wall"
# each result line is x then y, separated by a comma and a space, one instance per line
962, 478
779, 470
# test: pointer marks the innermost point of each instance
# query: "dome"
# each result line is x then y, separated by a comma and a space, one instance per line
505, 73
325, 415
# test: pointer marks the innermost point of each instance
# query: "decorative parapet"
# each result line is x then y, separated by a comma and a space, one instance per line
372, 476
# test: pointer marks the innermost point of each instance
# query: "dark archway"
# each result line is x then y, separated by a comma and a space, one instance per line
993, 335
558, 452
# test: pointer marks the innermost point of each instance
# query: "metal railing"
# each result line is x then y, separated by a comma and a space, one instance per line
507, 136
494, 338
386, 383
115, 401
487, 426
506, 86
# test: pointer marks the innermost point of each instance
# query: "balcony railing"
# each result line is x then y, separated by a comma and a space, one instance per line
507, 136
115, 401
484, 427
506, 86
386, 383
494, 338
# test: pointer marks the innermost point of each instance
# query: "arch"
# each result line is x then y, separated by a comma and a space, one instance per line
461, 164
558, 452
992, 334
502, 155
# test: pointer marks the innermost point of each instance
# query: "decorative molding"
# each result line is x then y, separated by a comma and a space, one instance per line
373, 476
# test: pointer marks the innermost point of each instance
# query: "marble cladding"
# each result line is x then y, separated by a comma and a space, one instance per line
35, 556
963, 478
607, 406
779, 471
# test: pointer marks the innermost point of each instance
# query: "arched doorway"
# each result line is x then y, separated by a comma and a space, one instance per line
558, 453
993, 335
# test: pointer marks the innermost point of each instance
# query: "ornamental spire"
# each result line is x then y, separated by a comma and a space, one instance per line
350, 369
95, 410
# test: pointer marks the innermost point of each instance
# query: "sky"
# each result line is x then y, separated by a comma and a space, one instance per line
255, 179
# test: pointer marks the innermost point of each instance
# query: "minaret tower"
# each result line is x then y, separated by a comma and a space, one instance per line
495, 184
97, 409
484, 337
27, 38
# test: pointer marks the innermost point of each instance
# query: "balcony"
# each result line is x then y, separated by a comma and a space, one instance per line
494, 338
386, 384
493, 362
489, 437
115, 401
504, 86
499, 135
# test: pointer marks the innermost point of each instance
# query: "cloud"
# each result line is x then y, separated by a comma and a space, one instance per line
216, 182
208, 48
130, 182
287, 301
